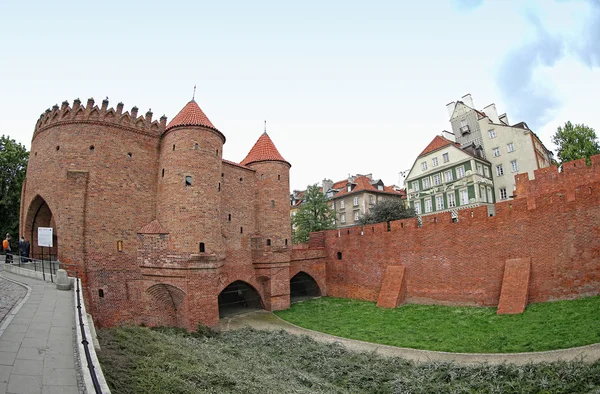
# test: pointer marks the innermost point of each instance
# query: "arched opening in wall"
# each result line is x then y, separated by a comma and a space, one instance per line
238, 297
303, 287
165, 301
39, 215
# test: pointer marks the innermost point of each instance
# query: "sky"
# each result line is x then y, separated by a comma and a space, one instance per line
346, 87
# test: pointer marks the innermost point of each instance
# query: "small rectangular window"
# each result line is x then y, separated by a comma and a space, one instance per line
503, 194
448, 175
510, 147
451, 200
417, 207
415, 186
437, 179
482, 192
355, 201
464, 197
486, 171
492, 133
343, 218
428, 205
439, 203
460, 172
446, 157
434, 162
342, 204
479, 169
490, 195
426, 184
424, 166
496, 152
513, 166
499, 170
356, 216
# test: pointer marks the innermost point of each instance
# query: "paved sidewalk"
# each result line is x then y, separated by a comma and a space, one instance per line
263, 320
37, 344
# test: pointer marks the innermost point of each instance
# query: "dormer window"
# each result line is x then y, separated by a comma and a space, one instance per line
349, 188
379, 187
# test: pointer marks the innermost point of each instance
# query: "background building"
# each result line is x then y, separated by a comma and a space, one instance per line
511, 149
354, 197
446, 177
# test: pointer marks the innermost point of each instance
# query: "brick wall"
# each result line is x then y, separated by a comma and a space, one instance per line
555, 221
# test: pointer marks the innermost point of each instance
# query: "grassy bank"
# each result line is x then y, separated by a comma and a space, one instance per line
141, 360
547, 326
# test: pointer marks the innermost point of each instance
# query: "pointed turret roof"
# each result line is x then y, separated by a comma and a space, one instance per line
263, 150
190, 115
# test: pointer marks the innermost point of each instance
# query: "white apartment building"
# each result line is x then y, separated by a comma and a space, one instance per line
511, 149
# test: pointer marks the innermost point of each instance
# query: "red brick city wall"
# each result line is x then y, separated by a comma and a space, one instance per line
556, 223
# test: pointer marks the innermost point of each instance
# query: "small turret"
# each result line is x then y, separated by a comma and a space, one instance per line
273, 184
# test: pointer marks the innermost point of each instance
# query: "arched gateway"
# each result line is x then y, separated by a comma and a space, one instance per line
40, 215
303, 287
238, 297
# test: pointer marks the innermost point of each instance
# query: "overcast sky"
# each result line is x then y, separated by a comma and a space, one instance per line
346, 87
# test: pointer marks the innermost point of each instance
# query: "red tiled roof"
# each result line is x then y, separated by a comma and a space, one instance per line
437, 143
363, 184
190, 115
153, 227
237, 165
263, 150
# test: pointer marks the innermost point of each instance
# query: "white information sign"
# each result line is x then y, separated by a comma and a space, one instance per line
45, 236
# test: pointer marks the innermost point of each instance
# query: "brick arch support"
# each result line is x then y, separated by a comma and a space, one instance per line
317, 270
166, 305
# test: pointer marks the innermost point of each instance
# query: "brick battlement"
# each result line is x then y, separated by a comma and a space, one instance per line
553, 223
574, 173
90, 113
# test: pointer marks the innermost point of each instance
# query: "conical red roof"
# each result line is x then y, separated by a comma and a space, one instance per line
190, 115
263, 150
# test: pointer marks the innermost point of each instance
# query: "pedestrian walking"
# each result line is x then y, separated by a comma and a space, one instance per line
7, 249
24, 249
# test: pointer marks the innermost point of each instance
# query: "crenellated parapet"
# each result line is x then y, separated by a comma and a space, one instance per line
574, 174
91, 113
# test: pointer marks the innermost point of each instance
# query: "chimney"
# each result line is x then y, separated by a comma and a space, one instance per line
468, 100
327, 185
504, 118
450, 108
492, 113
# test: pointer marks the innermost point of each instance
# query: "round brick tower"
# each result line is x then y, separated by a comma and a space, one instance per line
189, 176
273, 185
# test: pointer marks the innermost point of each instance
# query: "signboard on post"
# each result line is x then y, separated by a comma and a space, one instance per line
45, 236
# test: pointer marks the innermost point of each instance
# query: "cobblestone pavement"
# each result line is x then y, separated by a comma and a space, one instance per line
10, 294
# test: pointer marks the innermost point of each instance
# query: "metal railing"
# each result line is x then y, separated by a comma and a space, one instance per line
84, 341
44, 266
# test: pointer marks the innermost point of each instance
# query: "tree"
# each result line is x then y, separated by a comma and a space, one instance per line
314, 214
13, 165
386, 211
575, 142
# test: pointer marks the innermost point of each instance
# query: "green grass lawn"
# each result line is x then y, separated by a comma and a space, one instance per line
143, 360
546, 326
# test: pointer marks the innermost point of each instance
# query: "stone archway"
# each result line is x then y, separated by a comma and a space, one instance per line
239, 297
38, 215
303, 287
